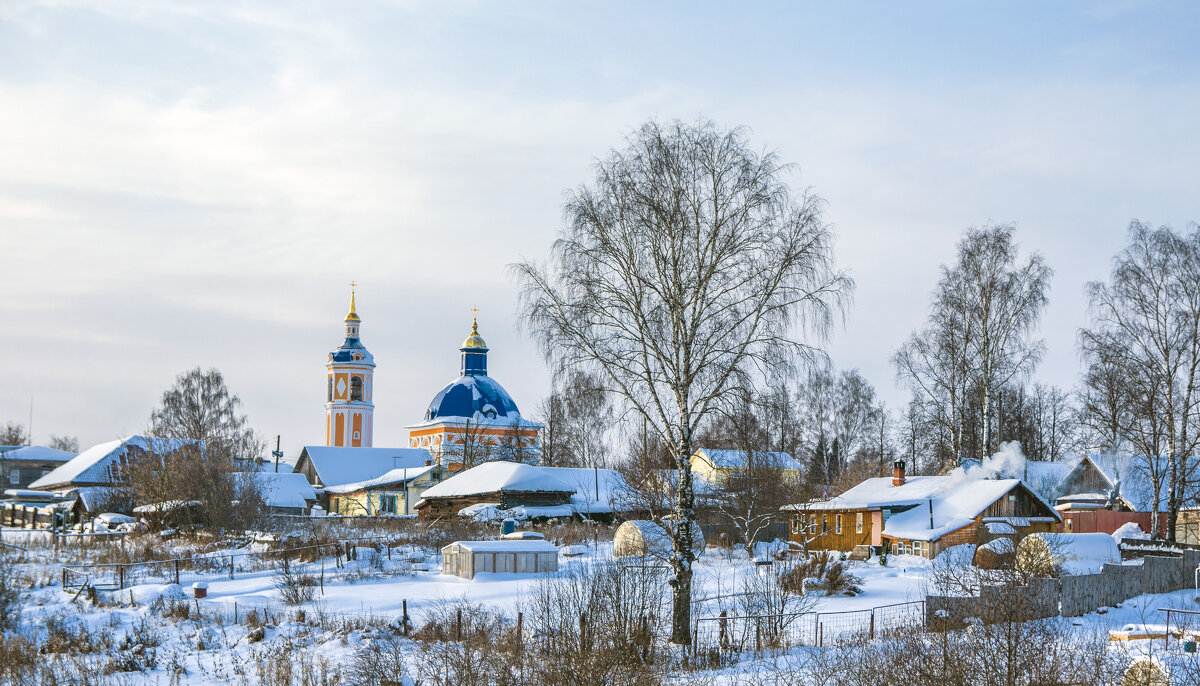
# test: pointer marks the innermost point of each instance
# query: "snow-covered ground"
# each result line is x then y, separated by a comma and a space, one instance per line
216, 649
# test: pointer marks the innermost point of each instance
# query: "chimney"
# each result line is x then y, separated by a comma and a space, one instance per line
898, 473
428, 463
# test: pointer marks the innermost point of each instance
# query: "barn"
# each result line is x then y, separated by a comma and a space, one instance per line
467, 558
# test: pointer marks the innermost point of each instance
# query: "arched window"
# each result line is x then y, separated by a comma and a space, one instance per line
356, 388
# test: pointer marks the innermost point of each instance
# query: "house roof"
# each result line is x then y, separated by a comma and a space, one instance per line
736, 459
494, 477
1128, 474
394, 476
956, 506
336, 466
879, 492
39, 453
510, 546
283, 489
92, 465
592, 490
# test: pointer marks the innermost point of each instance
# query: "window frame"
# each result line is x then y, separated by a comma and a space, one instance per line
837, 524
858, 522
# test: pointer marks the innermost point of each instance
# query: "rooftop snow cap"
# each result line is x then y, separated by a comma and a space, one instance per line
898, 473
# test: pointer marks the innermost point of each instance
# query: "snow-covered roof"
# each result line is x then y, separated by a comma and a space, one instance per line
92, 465
394, 476
736, 459
1129, 474
39, 453
509, 546
493, 477
879, 492
336, 466
282, 489
593, 490
955, 507
167, 506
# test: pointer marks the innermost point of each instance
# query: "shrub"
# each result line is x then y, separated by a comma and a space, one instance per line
294, 587
10, 595
838, 580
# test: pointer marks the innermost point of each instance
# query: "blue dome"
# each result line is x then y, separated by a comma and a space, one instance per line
471, 394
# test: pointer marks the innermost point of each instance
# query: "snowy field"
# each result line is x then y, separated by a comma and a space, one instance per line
159, 634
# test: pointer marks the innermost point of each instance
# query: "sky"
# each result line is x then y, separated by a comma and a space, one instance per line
188, 184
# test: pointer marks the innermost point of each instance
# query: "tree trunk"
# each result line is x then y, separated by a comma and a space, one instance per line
681, 560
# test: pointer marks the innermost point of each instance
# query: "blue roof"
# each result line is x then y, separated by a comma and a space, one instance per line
345, 353
468, 395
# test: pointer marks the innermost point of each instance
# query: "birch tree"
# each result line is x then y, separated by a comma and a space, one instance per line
685, 271
978, 338
1146, 324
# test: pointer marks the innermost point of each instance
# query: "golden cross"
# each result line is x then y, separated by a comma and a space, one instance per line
474, 312
353, 285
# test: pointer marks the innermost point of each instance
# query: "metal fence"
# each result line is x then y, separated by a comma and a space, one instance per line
718, 640
318, 559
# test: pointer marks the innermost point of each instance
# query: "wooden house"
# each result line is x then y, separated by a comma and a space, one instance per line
1104, 492
921, 515
396, 492
716, 467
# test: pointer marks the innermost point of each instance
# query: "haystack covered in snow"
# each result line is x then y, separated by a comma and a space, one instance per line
640, 537
468, 558
1042, 554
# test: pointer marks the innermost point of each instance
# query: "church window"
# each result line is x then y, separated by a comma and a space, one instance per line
356, 388
330, 388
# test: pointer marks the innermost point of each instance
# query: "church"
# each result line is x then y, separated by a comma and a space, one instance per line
470, 421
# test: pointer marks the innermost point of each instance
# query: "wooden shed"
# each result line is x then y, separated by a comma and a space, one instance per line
467, 558
639, 537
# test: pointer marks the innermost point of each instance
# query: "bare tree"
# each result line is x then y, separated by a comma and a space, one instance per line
582, 416
200, 407
683, 271
13, 434
978, 338
69, 444
1146, 324
476, 446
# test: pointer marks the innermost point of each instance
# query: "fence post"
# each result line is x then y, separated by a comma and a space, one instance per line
520, 628
177, 574
121, 576
458, 626
64, 578
820, 633
872, 631
404, 617
230, 566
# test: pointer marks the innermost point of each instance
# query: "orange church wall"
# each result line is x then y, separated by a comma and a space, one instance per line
357, 442
339, 435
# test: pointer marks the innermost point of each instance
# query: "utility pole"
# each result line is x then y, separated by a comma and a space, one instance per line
277, 453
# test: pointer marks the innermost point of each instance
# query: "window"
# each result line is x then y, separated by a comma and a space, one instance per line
837, 524
356, 388
918, 548
330, 394
796, 524
14, 476
387, 504
858, 522
824, 523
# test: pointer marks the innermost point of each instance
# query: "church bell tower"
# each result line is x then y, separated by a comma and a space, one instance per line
349, 388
